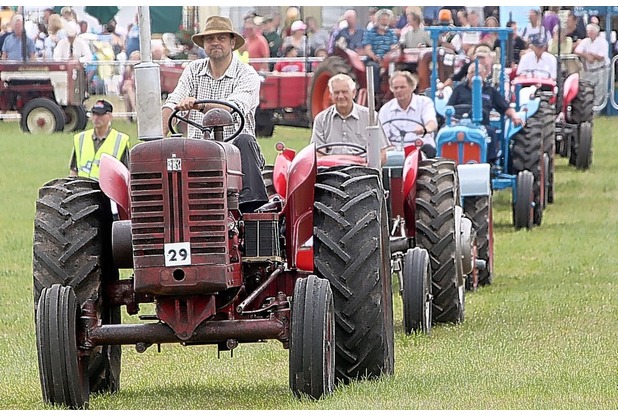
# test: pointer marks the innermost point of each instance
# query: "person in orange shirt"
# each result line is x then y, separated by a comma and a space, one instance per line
255, 43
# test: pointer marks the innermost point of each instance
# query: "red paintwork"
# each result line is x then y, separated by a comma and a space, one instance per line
183, 315
571, 89
284, 90
337, 160
410, 172
189, 205
298, 208
114, 182
471, 152
169, 75
281, 169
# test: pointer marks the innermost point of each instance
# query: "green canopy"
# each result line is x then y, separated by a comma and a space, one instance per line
165, 18
102, 13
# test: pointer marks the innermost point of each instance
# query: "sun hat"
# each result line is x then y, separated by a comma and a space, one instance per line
215, 25
71, 29
298, 25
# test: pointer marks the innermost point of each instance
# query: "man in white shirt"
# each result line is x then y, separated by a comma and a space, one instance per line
408, 116
539, 63
594, 51
72, 47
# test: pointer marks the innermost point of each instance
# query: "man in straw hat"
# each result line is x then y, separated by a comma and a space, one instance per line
221, 76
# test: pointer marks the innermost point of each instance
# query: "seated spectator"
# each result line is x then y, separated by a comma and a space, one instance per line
72, 47
491, 38
269, 31
290, 66
54, 35
351, 34
415, 36
566, 43
486, 59
535, 27
449, 40
378, 41
127, 87
12, 46
575, 28
256, 44
39, 41
297, 39
317, 37
519, 45
320, 53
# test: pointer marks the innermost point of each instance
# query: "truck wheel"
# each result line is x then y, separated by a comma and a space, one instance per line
417, 299
527, 152
76, 118
523, 212
351, 250
72, 247
319, 98
583, 160
479, 210
312, 340
62, 370
41, 115
581, 106
436, 197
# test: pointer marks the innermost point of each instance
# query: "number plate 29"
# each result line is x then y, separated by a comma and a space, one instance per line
177, 254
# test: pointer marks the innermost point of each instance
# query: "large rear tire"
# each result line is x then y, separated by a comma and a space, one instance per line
72, 247
312, 340
527, 154
437, 194
42, 116
62, 370
582, 104
583, 158
76, 118
351, 250
479, 210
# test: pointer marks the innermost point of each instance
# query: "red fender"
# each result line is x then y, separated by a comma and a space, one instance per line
410, 173
298, 209
338, 160
570, 90
281, 169
114, 182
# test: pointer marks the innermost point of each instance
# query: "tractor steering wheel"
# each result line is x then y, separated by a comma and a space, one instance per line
204, 129
359, 150
529, 73
402, 132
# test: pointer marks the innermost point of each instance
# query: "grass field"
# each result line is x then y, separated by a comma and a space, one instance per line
543, 336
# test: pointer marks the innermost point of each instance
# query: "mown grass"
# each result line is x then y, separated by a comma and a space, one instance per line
543, 336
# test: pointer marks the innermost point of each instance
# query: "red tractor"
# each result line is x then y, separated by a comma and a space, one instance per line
48, 95
216, 275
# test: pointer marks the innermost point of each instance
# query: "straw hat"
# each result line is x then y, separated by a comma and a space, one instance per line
218, 24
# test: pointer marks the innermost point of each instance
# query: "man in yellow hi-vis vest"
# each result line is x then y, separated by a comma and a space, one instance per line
88, 146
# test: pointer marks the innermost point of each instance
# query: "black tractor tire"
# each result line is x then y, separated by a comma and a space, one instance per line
523, 212
72, 247
42, 116
319, 95
267, 176
549, 147
312, 340
527, 154
264, 125
417, 298
583, 158
479, 210
76, 118
352, 251
582, 104
437, 194
62, 371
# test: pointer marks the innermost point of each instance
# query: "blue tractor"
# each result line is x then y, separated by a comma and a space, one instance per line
465, 139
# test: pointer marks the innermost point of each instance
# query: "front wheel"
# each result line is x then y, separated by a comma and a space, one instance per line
76, 118
523, 211
312, 341
417, 299
63, 371
41, 116
583, 159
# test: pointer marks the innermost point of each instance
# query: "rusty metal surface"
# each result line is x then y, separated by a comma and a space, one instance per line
184, 315
249, 330
122, 245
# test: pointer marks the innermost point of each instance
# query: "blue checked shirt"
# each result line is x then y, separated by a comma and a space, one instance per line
380, 44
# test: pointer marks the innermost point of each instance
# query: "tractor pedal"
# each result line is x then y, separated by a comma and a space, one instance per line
480, 264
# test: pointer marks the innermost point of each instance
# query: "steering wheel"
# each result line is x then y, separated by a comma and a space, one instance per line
461, 109
359, 150
529, 73
402, 132
208, 128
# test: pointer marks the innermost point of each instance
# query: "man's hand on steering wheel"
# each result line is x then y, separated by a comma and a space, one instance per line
187, 104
